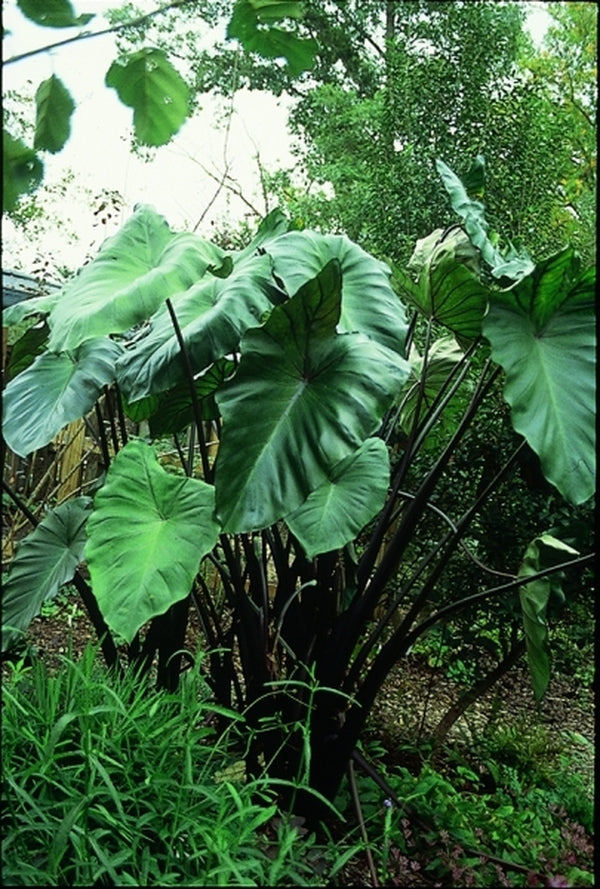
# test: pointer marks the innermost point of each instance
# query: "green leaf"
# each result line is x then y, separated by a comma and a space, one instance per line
26, 308
514, 265
427, 380
53, 13
26, 349
55, 106
140, 572
44, 561
303, 398
175, 410
474, 179
22, 171
543, 552
272, 10
55, 390
369, 304
448, 290
271, 42
542, 332
147, 82
212, 316
132, 275
337, 510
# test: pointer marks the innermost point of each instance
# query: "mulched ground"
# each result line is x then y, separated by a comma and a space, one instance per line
412, 701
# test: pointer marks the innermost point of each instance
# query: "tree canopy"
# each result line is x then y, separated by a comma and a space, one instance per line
381, 90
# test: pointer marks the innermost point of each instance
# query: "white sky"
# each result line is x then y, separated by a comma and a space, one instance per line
98, 150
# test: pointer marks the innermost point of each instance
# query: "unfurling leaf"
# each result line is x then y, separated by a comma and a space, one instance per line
543, 552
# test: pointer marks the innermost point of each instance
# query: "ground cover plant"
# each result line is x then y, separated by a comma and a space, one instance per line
308, 396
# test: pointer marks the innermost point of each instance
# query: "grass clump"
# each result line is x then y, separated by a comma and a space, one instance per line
107, 781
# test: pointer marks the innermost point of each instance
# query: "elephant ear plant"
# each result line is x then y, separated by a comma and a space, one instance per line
307, 396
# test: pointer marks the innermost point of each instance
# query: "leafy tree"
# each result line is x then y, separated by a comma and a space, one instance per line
450, 82
310, 395
566, 71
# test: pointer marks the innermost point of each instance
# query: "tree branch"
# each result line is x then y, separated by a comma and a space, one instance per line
85, 35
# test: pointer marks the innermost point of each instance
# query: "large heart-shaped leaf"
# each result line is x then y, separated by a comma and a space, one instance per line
148, 532
542, 332
55, 390
44, 560
338, 509
543, 552
132, 275
147, 82
55, 106
212, 317
448, 290
303, 398
369, 304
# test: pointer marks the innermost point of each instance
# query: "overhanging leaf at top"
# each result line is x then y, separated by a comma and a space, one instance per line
55, 106
22, 170
53, 391
132, 275
335, 512
147, 82
272, 10
303, 398
44, 560
369, 304
147, 535
542, 332
247, 25
53, 13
